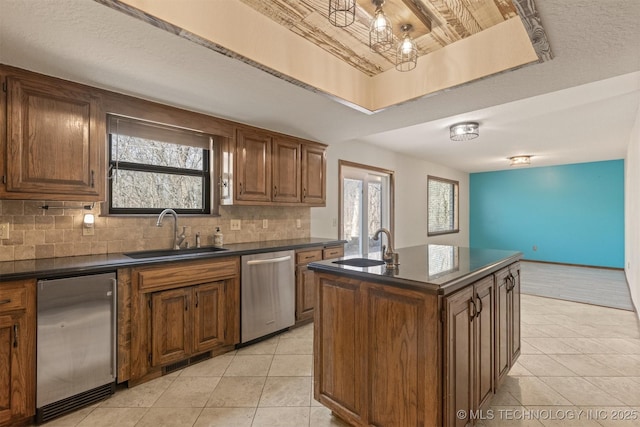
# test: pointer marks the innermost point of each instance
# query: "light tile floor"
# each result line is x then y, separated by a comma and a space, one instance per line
580, 366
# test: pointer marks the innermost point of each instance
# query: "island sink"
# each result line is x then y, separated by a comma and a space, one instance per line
173, 252
359, 262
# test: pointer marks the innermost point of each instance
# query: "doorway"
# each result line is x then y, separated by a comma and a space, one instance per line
366, 204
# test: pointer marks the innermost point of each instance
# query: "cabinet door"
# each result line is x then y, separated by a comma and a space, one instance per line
484, 341
502, 325
253, 166
514, 315
209, 316
396, 350
313, 175
55, 140
339, 359
458, 357
15, 369
286, 170
305, 293
171, 318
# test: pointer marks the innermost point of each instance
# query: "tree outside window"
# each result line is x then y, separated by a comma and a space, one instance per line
442, 206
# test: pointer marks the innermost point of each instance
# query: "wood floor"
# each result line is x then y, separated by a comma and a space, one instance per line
598, 286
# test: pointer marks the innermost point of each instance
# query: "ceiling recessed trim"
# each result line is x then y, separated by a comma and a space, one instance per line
466, 60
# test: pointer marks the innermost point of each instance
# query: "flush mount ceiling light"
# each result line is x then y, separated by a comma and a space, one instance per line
520, 160
407, 52
380, 31
342, 13
464, 131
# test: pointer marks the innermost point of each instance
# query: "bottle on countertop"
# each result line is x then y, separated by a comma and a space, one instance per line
217, 238
198, 239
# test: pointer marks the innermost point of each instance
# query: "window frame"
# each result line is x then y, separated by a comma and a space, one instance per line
456, 206
367, 170
206, 174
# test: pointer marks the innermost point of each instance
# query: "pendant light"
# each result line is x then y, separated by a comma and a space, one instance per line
380, 31
342, 13
407, 51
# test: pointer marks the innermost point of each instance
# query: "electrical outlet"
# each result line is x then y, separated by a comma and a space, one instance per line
235, 224
4, 230
335, 222
298, 223
265, 223
87, 231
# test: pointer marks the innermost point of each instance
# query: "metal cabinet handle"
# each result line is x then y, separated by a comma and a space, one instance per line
480, 301
304, 193
15, 335
5, 301
275, 190
93, 182
197, 298
186, 304
472, 302
240, 185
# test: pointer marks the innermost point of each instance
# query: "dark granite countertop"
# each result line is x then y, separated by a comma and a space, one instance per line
440, 269
89, 264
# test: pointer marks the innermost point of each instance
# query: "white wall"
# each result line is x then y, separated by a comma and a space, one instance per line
410, 174
632, 214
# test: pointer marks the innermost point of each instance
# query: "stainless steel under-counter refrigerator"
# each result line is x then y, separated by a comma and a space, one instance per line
76, 351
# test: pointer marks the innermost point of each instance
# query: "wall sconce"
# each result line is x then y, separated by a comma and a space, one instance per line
88, 223
464, 131
520, 160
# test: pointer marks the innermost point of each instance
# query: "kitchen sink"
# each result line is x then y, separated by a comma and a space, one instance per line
173, 252
359, 262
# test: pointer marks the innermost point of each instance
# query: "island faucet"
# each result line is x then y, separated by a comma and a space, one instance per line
388, 256
177, 240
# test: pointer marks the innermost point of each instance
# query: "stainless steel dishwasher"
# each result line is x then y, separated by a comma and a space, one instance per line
76, 352
267, 302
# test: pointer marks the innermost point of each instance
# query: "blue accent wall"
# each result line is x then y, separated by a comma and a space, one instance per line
572, 214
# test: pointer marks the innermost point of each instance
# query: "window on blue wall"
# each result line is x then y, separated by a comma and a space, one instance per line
442, 206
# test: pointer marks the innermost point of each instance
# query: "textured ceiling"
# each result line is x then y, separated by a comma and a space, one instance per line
580, 106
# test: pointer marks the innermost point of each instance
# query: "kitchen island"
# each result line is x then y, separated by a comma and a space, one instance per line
426, 344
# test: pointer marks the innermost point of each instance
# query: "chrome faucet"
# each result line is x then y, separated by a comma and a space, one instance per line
388, 256
177, 239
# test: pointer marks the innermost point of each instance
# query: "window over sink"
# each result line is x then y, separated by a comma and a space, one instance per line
154, 166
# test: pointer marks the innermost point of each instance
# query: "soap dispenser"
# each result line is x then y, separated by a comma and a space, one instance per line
217, 238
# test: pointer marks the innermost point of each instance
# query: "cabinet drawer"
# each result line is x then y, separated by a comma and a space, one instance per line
187, 273
308, 256
335, 252
13, 299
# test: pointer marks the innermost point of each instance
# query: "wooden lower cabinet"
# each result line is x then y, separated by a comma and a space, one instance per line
305, 285
391, 356
469, 351
187, 321
376, 353
181, 311
507, 319
17, 351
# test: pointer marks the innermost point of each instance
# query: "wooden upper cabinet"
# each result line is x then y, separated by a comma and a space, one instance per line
55, 140
275, 169
253, 166
314, 167
286, 170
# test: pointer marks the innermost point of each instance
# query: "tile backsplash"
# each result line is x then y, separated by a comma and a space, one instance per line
38, 233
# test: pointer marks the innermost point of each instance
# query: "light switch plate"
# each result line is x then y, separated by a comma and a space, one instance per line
4, 230
265, 223
298, 223
235, 224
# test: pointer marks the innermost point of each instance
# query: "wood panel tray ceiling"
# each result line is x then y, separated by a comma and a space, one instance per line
436, 25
